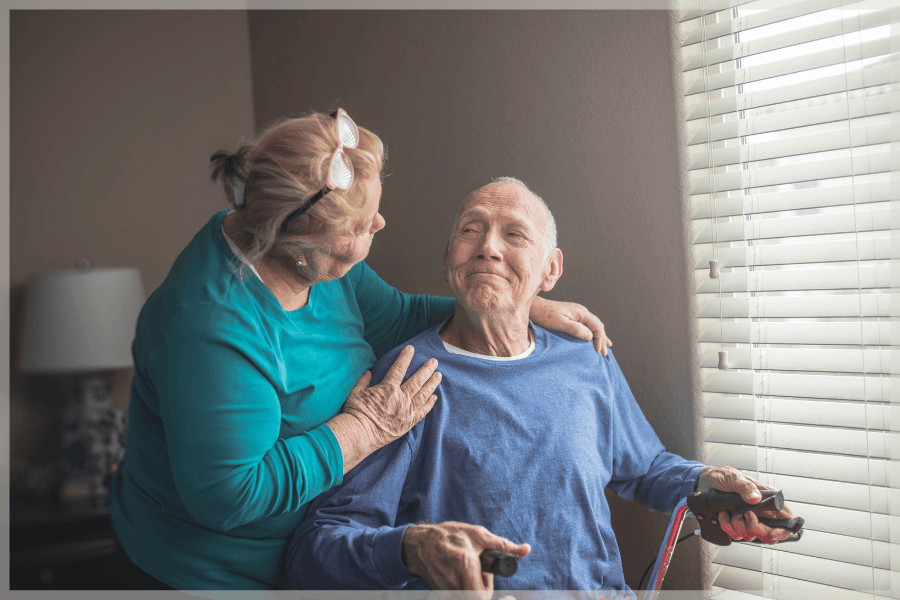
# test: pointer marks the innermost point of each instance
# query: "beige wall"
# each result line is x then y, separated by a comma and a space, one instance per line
114, 115
578, 104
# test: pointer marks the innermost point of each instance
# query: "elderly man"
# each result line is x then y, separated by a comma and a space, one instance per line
529, 428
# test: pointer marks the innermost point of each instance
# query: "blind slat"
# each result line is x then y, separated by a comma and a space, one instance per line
698, 81
824, 467
838, 387
826, 440
755, 586
704, 181
779, 332
858, 415
698, 106
835, 494
786, 359
693, 9
699, 132
718, 50
860, 192
808, 568
839, 548
694, 31
847, 305
786, 254
853, 523
720, 593
864, 218
857, 136
796, 280
781, 587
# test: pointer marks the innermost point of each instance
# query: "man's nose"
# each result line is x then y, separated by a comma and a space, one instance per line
490, 247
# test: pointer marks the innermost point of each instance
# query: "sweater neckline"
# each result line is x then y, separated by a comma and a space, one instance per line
222, 241
538, 344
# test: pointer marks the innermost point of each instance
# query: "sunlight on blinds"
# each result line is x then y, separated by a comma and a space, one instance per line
792, 110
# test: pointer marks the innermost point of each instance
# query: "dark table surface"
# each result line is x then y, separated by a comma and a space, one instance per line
54, 548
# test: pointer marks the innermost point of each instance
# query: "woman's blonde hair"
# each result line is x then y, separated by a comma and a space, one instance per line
281, 169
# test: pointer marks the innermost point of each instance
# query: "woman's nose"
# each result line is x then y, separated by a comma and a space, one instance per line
378, 224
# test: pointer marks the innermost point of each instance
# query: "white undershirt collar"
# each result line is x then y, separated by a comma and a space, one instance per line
455, 350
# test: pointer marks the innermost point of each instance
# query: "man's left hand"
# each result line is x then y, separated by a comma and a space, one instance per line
744, 527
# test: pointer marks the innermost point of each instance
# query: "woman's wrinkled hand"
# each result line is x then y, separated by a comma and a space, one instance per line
386, 411
447, 555
744, 527
572, 319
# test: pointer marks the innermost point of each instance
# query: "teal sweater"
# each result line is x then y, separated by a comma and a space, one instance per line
227, 441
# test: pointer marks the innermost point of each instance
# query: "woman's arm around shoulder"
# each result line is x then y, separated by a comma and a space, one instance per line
390, 316
570, 318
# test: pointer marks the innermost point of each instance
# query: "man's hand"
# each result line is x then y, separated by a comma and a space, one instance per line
744, 527
446, 555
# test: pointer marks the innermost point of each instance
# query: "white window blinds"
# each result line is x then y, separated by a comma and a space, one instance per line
791, 107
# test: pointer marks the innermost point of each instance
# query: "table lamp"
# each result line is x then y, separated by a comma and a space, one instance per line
81, 322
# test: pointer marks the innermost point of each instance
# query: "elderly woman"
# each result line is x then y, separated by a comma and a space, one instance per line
247, 399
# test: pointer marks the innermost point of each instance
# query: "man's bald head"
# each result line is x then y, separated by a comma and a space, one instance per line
499, 183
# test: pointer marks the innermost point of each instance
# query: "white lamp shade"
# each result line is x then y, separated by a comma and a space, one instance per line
79, 321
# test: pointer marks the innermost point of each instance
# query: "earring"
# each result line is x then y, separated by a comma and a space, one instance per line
300, 263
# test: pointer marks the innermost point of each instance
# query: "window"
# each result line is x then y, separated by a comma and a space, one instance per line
791, 107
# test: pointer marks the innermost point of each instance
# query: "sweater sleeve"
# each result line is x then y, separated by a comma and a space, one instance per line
392, 317
348, 539
642, 469
221, 421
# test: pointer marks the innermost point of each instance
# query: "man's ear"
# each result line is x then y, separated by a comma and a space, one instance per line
556, 268
446, 262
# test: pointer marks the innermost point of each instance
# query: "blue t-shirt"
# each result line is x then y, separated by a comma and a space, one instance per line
524, 448
227, 441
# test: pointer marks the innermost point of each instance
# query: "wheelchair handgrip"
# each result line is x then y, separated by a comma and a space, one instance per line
707, 505
499, 563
